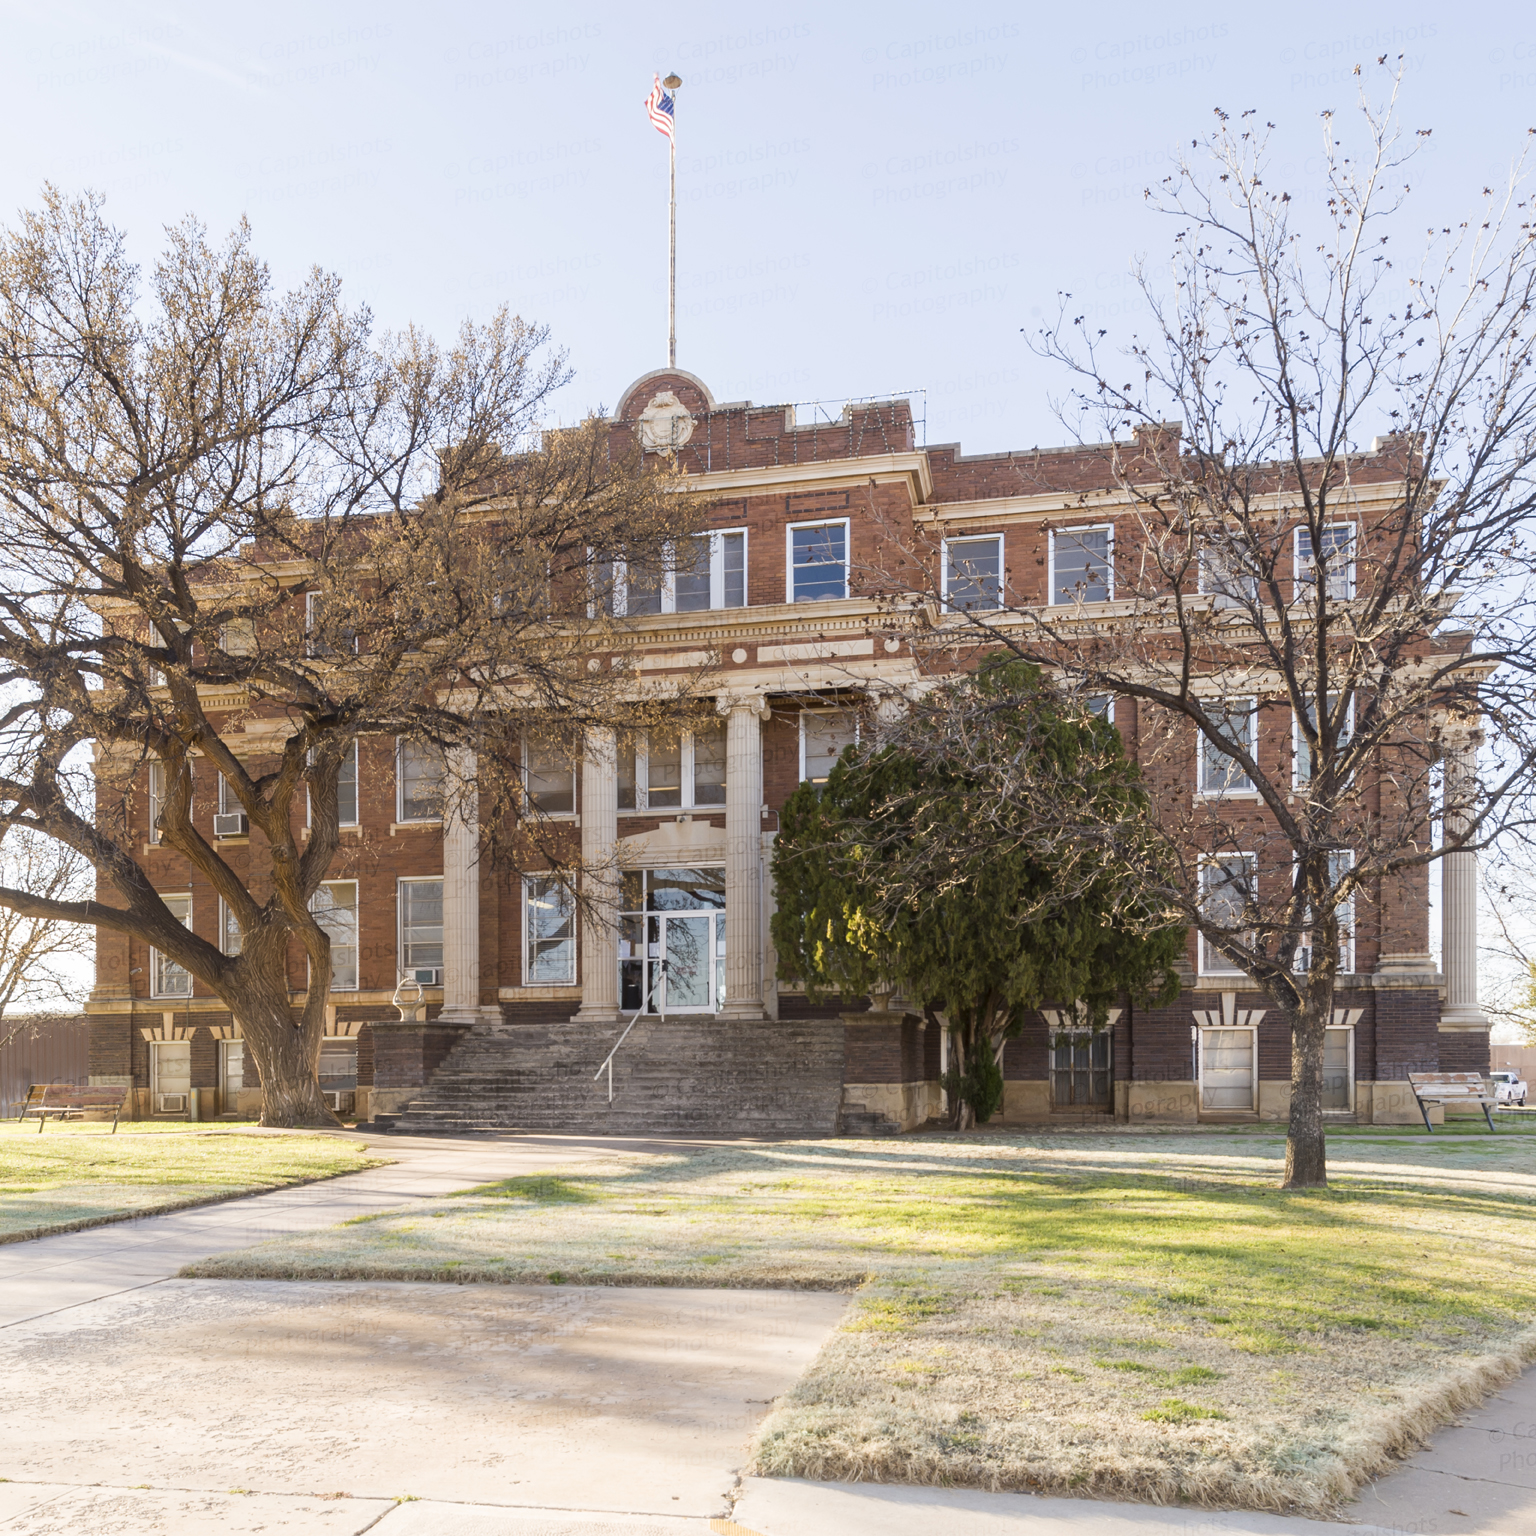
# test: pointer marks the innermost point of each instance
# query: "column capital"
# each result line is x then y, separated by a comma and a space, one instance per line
747, 702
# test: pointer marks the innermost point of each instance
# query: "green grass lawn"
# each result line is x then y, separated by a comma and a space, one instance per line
77, 1174
1120, 1314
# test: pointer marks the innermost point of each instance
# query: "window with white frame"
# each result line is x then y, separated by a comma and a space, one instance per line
1340, 862
335, 909
673, 770
1338, 1068
818, 560
704, 571
167, 978
973, 572
230, 820
1228, 889
1301, 759
1236, 723
421, 926
156, 798
1227, 573
823, 735
1102, 705
1334, 555
229, 929
549, 777
346, 792
238, 637
1082, 569
346, 788
419, 772
549, 933
325, 640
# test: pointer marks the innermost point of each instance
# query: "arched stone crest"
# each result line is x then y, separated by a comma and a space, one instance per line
665, 424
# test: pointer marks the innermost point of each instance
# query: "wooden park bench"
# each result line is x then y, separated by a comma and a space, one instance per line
1452, 1088
63, 1100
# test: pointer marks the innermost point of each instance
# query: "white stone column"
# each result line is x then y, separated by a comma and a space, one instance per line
743, 856
461, 893
600, 876
1458, 893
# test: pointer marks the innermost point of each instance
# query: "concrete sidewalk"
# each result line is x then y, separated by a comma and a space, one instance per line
50, 1274
138, 1405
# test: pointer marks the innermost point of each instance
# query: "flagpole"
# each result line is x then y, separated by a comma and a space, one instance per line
672, 82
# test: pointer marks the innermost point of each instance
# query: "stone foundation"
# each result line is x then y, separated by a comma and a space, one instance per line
906, 1105
1162, 1103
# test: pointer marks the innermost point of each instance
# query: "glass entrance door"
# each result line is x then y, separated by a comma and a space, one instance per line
672, 941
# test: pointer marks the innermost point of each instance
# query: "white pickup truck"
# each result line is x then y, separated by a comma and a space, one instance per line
1508, 1087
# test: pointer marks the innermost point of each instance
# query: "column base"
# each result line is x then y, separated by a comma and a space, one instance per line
1463, 1018
596, 1015
743, 1013
467, 1015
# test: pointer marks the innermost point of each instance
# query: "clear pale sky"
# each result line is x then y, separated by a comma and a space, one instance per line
872, 198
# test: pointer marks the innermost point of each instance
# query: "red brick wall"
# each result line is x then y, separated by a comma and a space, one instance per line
1408, 1037
1464, 1051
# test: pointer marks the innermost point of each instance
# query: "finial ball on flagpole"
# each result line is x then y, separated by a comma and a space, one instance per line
672, 82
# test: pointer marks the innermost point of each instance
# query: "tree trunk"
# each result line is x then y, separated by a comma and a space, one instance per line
1306, 1155
287, 1054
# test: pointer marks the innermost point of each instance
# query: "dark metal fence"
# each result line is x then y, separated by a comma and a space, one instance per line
51, 1048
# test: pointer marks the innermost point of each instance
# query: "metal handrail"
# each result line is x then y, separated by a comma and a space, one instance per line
661, 971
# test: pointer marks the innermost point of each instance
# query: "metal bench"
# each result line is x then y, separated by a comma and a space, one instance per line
63, 1100
1453, 1088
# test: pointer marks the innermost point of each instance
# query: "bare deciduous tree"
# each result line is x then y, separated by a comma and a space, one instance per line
42, 959
1321, 469
240, 532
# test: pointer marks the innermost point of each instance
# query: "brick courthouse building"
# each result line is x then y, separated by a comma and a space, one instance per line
521, 1008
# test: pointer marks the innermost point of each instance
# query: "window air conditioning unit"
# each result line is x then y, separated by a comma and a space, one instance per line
230, 824
427, 978
171, 1103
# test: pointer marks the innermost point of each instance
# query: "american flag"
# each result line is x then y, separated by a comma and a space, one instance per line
658, 106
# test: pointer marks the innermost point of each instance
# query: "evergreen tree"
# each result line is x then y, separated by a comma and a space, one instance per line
883, 884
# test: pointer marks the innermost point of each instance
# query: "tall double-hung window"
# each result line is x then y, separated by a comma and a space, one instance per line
421, 929
818, 561
156, 798
1330, 558
167, 979
549, 932
346, 792
1302, 756
1228, 574
335, 908
1340, 862
823, 735
549, 777
1228, 888
1236, 722
973, 572
1082, 565
419, 773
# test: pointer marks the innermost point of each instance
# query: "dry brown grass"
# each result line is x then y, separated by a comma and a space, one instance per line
1145, 1317
80, 1174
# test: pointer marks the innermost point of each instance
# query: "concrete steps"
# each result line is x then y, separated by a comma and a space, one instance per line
678, 1076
